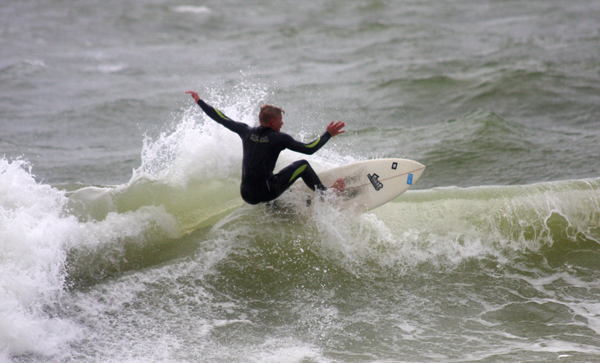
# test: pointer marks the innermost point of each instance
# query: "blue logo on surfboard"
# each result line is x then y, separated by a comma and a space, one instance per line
409, 179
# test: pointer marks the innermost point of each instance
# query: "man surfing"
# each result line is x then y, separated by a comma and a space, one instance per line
262, 145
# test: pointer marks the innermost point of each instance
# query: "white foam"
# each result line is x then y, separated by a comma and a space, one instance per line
191, 9
33, 236
286, 351
36, 232
36, 62
111, 68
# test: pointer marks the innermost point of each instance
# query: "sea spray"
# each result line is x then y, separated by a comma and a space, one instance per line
195, 147
34, 237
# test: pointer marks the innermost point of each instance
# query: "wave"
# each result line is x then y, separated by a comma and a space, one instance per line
502, 221
443, 229
54, 241
183, 202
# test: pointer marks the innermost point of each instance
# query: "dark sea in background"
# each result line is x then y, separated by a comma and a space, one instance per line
123, 237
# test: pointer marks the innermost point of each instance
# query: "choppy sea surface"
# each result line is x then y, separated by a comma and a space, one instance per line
123, 237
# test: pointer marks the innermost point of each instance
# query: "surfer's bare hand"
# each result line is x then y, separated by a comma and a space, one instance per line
339, 185
194, 95
335, 128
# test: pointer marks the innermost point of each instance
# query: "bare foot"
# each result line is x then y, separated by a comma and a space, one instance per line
339, 185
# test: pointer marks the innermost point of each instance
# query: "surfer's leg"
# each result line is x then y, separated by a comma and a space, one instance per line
299, 169
280, 182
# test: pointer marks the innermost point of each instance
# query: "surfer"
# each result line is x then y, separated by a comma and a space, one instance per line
262, 146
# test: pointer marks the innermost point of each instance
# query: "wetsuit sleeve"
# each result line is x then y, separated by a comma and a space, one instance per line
309, 148
237, 127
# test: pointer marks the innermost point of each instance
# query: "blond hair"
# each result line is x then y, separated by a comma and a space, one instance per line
268, 112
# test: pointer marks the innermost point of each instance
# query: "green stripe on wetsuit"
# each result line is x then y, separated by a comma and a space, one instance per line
221, 114
298, 171
314, 143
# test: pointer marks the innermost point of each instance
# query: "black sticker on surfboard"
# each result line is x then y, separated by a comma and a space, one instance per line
374, 179
394, 165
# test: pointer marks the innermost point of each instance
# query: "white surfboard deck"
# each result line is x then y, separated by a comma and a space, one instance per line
372, 183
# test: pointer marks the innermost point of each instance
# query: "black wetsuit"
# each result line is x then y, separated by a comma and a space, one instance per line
262, 146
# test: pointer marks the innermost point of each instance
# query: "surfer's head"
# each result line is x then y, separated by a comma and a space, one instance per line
271, 116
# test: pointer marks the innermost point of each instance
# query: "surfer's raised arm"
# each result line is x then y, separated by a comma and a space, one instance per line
237, 127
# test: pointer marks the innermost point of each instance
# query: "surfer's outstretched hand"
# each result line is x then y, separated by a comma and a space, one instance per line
335, 128
194, 96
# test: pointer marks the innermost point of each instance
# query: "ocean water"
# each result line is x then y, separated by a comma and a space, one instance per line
123, 237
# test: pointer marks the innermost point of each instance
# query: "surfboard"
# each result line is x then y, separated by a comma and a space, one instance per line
372, 183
